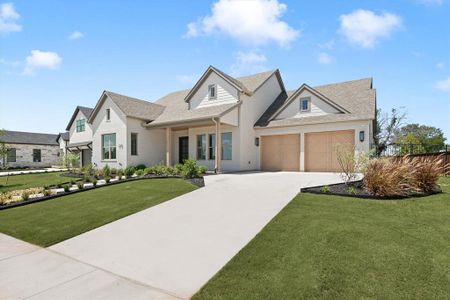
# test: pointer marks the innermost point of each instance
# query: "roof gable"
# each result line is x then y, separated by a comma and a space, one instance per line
86, 111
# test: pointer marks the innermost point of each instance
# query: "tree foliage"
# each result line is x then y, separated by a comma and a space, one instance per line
387, 124
428, 138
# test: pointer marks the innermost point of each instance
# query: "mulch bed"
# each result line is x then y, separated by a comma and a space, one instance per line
356, 190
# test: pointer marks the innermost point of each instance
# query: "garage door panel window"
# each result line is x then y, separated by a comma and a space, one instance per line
227, 146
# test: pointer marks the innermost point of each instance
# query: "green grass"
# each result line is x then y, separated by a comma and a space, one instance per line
24, 181
329, 247
49, 222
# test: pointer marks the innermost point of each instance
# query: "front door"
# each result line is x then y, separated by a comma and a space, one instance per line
183, 148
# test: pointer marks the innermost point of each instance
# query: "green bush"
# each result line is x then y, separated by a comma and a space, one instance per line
106, 171
140, 167
80, 185
160, 170
129, 171
325, 189
190, 169
66, 188
170, 171
120, 173
25, 195
94, 181
178, 169
88, 170
202, 169
107, 179
140, 172
149, 170
114, 171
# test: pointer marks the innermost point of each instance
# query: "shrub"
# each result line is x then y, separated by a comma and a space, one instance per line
120, 173
94, 181
190, 169
25, 195
350, 161
66, 188
107, 179
114, 171
179, 169
351, 190
87, 179
385, 177
160, 169
87, 170
426, 171
140, 167
80, 185
149, 170
106, 171
202, 169
325, 189
140, 172
46, 193
170, 171
129, 171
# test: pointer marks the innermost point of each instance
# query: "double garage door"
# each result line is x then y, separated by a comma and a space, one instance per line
282, 152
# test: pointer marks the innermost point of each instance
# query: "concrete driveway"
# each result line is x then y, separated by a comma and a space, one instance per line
174, 248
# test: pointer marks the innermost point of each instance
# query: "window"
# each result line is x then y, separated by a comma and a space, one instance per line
36, 155
226, 146
109, 146
201, 146
11, 155
212, 146
305, 104
108, 114
81, 123
212, 92
134, 144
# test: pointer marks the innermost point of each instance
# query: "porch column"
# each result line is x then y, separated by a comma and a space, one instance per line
218, 161
168, 146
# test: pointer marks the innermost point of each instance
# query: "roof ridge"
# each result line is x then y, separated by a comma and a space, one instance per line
133, 98
259, 73
343, 82
30, 132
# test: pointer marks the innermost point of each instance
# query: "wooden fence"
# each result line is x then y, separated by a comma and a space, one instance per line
445, 156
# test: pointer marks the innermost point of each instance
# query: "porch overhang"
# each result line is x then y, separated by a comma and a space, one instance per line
79, 146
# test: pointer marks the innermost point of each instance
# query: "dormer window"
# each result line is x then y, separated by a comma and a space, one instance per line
305, 104
108, 115
212, 92
81, 125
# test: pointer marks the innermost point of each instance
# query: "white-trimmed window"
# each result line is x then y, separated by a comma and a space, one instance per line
305, 104
212, 92
108, 114
134, 143
11, 157
227, 146
81, 125
201, 147
36, 155
109, 146
212, 146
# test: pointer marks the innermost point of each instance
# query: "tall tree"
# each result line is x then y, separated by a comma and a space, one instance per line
428, 138
387, 124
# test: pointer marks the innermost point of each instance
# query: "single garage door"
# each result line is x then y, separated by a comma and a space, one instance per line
280, 152
320, 153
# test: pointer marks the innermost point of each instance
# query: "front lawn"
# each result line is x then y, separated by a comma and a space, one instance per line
25, 181
49, 222
330, 247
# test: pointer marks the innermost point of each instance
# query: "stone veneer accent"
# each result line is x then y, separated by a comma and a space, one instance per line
50, 155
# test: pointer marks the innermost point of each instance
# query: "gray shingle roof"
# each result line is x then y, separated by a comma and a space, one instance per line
136, 108
19, 137
87, 111
64, 135
356, 96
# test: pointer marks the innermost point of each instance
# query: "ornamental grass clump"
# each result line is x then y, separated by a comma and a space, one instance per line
388, 178
426, 171
106, 171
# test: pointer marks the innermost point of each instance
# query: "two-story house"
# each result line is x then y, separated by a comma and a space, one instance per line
79, 135
235, 124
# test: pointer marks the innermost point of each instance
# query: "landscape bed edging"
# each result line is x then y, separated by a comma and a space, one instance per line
199, 182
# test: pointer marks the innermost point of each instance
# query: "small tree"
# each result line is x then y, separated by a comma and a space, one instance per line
350, 161
72, 160
386, 127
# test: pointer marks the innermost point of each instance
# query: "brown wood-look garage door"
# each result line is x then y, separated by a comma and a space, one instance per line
280, 152
320, 155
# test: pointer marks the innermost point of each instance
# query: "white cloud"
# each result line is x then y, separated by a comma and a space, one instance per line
365, 28
248, 63
187, 79
250, 22
440, 65
8, 19
75, 35
325, 59
443, 85
41, 60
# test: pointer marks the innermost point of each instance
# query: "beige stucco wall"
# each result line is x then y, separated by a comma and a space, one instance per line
24, 155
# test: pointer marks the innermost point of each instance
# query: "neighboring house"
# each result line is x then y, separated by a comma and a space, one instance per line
63, 141
27, 149
261, 125
80, 134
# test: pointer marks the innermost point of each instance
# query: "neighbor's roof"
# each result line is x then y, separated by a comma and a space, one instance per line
176, 109
87, 111
64, 135
357, 97
131, 107
19, 137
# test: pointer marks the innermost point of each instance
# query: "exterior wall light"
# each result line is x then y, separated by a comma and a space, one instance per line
257, 142
361, 136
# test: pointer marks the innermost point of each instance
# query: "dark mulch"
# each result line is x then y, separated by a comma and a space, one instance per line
356, 189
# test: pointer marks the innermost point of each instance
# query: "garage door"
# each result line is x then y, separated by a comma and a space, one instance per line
320, 153
280, 152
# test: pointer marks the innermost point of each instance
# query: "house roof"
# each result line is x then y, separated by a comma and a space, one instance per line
357, 97
131, 107
87, 111
64, 135
19, 137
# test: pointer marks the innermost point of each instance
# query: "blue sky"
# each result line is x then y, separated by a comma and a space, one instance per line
55, 55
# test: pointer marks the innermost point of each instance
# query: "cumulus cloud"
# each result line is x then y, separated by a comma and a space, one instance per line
75, 35
443, 85
186, 79
365, 28
255, 22
8, 19
325, 59
248, 63
41, 60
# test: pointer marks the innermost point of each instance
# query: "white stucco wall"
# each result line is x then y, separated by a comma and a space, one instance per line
151, 144
250, 111
79, 137
318, 107
117, 125
357, 126
226, 93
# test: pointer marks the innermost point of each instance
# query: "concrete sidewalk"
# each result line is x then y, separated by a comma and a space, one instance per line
5, 173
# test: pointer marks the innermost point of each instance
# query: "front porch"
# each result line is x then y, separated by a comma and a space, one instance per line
84, 149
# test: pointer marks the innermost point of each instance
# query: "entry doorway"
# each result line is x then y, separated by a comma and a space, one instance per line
183, 148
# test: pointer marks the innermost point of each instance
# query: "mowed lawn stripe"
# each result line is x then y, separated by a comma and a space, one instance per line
49, 222
329, 247
24, 181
